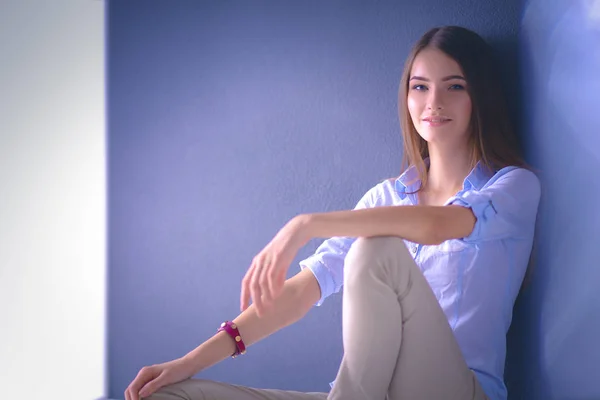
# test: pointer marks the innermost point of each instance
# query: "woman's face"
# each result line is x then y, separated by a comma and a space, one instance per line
438, 101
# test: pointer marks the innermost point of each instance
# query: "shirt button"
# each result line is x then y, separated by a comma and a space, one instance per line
414, 248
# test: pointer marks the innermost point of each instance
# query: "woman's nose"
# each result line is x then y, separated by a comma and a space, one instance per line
434, 101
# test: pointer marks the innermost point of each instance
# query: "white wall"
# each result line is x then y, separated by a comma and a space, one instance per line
52, 199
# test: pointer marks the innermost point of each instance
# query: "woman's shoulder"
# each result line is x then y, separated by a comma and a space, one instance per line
515, 173
387, 184
384, 191
518, 181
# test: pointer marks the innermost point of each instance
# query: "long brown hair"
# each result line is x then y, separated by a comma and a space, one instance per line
492, 137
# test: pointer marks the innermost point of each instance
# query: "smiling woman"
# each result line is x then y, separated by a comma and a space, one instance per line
431, 262
437, 100
450, 81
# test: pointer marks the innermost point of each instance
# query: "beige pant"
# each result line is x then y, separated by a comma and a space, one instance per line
397, 341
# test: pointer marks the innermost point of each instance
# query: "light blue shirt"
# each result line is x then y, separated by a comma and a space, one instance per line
476, 279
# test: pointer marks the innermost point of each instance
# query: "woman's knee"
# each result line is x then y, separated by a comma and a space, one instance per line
366, 254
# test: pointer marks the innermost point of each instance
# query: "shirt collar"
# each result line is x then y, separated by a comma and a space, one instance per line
478, 177
409, 180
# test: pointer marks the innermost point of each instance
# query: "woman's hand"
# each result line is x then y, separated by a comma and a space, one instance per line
264, 280
152, 378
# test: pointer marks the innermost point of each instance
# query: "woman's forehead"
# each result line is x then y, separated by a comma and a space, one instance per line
434, 64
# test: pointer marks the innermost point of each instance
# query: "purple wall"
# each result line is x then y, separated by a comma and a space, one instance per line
226, 120
555, 352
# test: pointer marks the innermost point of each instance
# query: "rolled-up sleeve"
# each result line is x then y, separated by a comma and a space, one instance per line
506, 207
327, 264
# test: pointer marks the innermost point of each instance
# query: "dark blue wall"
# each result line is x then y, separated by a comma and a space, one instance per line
226, 120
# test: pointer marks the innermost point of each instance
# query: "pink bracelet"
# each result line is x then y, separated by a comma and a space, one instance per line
233, 331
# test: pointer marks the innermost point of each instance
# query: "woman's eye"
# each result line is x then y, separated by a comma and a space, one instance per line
419, 87
457, 87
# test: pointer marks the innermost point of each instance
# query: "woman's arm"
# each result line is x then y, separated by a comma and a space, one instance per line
420, 224
298, 295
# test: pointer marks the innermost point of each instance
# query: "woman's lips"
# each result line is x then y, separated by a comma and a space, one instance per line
436, 121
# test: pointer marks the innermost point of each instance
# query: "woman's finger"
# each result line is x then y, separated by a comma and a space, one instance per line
255, 288
245, 295
151, 387
271, 282
265, 281
146, 374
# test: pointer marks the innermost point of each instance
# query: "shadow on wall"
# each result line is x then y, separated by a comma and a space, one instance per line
553, 351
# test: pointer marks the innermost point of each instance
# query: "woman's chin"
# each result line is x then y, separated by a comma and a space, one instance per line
440, 139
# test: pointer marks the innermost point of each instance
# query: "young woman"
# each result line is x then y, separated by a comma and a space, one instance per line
431, 262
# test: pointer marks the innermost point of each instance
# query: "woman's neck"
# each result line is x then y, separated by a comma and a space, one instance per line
447, 170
